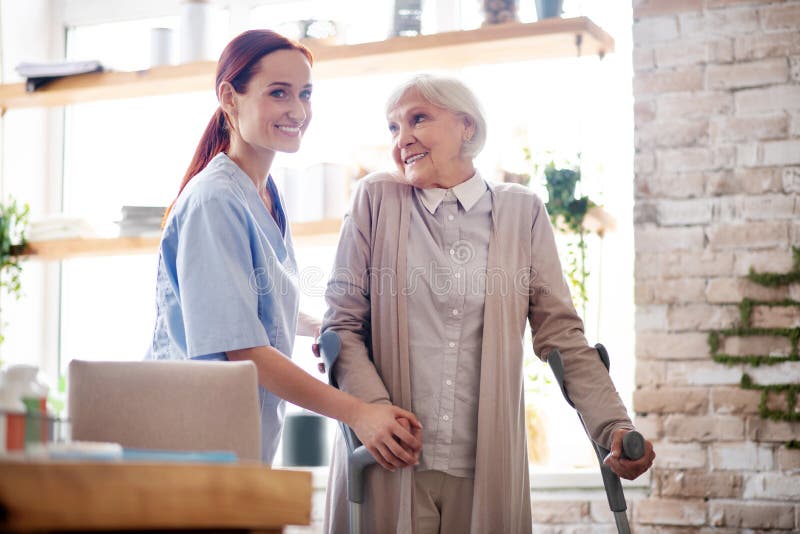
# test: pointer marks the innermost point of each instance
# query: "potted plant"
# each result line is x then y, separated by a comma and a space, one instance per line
568, 213
13, 225
546, 9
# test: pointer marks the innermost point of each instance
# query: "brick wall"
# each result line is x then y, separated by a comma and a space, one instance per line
717, 133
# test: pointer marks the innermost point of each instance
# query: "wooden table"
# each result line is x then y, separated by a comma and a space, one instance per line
143, 496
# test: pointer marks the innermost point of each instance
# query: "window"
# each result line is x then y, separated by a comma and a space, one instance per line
129, 152
135, 151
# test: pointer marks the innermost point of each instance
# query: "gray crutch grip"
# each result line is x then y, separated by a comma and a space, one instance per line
633, 445
357, 461
358, 457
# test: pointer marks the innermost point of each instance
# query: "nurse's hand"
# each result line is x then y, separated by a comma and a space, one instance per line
315, 350
379, 429
308, 325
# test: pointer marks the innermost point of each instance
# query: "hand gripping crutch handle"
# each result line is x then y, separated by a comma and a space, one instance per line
632, 444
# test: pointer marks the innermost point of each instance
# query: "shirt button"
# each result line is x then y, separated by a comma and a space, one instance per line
445, 418
452, 344
450, 217
455, 312
449, 383
452, 252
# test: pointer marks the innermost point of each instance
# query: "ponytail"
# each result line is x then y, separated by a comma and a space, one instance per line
216, 138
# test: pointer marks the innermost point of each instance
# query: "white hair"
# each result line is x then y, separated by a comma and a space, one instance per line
450, 94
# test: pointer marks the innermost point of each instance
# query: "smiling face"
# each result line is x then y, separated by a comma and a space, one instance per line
427, 142
275, 109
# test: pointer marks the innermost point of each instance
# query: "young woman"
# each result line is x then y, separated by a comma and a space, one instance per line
227, 285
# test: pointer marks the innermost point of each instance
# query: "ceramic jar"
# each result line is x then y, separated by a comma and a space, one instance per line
499, 11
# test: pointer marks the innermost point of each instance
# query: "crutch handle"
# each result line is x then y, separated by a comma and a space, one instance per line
358, 457
357, 461
632, 445
329, 347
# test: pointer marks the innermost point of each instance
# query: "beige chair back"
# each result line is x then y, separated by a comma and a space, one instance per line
170, 405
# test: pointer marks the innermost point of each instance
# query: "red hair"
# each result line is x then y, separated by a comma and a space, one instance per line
237, 64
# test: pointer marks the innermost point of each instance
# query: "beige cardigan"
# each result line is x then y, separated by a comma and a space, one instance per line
368, 309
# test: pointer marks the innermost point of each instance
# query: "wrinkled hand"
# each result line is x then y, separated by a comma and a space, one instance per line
628, 469
378, 427
417, 433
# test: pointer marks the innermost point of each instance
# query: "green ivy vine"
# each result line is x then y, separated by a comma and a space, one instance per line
746, 306
779, 279
791, 391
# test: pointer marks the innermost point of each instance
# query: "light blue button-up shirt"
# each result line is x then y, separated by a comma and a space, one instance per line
227, 279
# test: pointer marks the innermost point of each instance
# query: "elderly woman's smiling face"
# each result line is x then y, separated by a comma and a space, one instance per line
427, 142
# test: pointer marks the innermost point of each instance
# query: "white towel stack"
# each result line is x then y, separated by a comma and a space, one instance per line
59, 226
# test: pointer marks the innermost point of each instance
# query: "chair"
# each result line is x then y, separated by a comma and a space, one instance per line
167, 405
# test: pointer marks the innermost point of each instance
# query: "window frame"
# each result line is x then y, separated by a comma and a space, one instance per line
84, 12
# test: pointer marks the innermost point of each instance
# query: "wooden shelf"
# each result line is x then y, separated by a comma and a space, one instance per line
59, 249
322, 232
500, 43
303, 233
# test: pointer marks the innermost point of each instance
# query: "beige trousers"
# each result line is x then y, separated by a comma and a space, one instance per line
442, 503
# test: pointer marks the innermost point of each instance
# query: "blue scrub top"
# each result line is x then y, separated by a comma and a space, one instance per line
227, 279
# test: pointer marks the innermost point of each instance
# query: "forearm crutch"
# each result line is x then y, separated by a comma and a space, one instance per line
358, 457
632, 445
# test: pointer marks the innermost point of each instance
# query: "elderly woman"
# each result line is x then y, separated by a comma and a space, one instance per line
436, 273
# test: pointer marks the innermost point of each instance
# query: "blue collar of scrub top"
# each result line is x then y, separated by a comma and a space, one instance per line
276, 202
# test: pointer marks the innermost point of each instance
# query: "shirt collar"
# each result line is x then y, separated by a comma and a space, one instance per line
467, 193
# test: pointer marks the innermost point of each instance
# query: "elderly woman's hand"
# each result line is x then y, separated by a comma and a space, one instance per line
378, 427
628, 469
417, 432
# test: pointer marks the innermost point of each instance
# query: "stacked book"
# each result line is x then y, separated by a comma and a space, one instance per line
141, 220
40, 74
